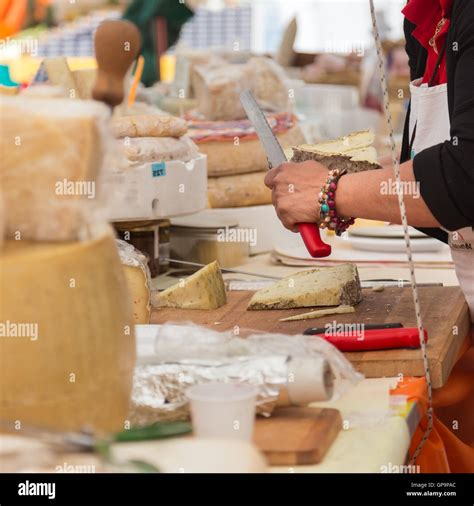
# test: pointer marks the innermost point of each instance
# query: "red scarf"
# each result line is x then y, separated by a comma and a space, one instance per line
426, 14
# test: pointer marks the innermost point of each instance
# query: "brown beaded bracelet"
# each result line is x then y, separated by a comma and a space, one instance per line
327, 201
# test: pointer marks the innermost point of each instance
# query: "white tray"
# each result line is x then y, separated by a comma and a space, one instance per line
157, 190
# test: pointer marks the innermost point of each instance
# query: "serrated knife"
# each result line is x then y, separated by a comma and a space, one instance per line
309, 231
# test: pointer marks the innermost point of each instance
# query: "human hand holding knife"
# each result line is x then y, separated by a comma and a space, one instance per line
310, 232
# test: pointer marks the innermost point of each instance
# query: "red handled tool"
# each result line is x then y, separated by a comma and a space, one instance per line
309, 231
377, 339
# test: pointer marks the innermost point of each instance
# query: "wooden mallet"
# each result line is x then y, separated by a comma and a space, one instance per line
117, 44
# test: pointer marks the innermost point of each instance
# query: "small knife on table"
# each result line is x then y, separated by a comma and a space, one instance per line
309, 231
376, 339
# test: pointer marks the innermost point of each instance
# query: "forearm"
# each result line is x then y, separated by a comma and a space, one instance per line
373, 195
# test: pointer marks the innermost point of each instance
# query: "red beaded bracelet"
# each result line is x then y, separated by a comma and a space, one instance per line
327, 201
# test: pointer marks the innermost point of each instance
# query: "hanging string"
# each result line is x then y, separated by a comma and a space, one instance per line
401, 202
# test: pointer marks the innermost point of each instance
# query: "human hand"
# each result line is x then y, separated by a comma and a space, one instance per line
295, 190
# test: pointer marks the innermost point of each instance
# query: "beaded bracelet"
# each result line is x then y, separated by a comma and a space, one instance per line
327, 200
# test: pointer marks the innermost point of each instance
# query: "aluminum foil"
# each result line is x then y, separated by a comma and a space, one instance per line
159, 390
174, 356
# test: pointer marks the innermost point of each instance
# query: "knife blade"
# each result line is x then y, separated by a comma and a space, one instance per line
309, 231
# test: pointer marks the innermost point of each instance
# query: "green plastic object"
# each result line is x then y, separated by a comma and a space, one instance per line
158, 430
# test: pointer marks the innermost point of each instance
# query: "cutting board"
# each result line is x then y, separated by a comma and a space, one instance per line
296, 436
444, 311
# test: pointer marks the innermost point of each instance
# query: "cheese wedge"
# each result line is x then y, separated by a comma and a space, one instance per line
138, 277
353, 153
67, 345
204, 289
325, 286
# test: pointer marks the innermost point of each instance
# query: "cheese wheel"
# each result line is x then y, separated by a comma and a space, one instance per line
226, 158
148, 125
238, 191
70, 364
51, 151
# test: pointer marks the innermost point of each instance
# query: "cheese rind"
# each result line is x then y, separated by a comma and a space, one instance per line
148, 125
325, 286
226, 158
353, 153
51, 152
138, 277
238, 191
78, 370
140, 150
319, 313
204, 289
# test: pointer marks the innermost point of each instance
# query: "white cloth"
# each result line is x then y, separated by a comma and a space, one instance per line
430, 114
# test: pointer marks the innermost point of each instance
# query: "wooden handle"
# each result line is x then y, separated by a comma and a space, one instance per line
117, 44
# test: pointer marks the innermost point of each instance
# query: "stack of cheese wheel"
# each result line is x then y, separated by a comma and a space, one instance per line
236, 160
67, 345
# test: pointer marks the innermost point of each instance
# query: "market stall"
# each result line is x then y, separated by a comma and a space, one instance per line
156, 315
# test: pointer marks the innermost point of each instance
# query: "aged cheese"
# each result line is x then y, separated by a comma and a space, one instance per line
148, 125
217, 89
268, 83
59, 74
67, 346
204, 289
141, 150
353, 152
138, 278
225, 158
325, 286
320, 313
51, 152
238, 191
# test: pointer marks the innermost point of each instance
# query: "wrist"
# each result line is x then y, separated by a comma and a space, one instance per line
330, 218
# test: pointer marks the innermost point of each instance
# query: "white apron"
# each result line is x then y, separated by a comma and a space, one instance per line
430, 114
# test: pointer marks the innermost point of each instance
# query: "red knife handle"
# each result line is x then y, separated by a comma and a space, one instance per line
379, 339
312, 240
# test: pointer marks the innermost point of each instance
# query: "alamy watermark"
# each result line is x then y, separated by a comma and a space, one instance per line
65, 187
15, 329
12, 47
391, 187
335, 329
345, 46
232, 234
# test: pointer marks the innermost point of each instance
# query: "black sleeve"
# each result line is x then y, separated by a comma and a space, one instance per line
445, 171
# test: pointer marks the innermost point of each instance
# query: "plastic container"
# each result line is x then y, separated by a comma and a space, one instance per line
223, 410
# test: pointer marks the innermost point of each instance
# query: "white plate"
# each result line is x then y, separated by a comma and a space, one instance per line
395, 245
391, 231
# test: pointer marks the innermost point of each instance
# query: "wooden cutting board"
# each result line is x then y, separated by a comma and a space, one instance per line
296, 436
444, 310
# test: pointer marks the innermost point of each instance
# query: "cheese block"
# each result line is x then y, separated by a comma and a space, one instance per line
148, 125
51, 152
353, 153
153, 149
204, 289
268, 83
138, 277
325, 286
67, 344
238, 191
217, 89
59, 74
226, 157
